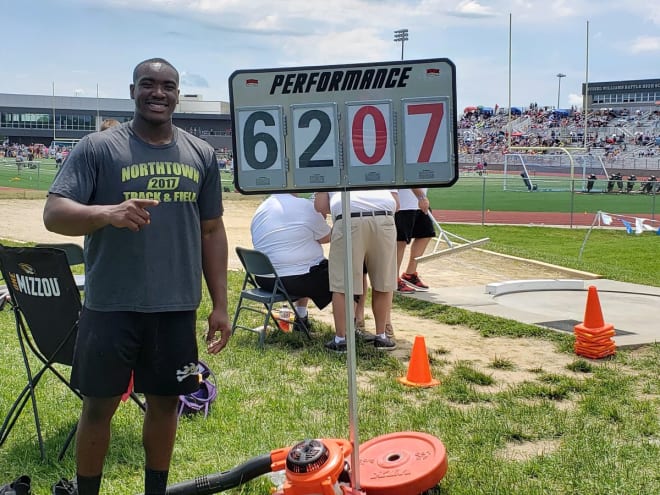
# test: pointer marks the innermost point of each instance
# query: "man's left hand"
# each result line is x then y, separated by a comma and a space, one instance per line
218, 321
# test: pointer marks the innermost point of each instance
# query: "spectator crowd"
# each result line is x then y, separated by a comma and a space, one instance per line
610, 132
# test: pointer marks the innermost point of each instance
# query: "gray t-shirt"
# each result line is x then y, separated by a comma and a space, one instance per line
158, 268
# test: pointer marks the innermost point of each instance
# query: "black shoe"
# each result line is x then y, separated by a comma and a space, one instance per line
384, 343
65, 487
364, 336
300, 324
20, 486
339, 347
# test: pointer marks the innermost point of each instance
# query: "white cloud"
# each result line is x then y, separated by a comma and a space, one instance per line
561, 9
266, 16
216, 37
649, 10
194, 80
539, 12
471, 8
355, 45
646, 44
575, 99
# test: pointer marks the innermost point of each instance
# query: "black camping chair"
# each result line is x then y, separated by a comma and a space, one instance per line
74, 252
257, 264
44, 299
46, 304
74, 255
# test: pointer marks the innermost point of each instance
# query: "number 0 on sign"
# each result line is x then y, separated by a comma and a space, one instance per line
369, 134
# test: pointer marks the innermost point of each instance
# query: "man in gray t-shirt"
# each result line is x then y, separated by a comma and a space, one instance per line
147, 197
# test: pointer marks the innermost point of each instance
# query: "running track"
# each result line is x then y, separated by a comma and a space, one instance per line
519, 217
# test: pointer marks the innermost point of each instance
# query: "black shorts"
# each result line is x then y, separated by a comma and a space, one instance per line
160, 349
314, 284
413, 224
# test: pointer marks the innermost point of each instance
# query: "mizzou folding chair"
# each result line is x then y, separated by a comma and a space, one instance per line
46, 304
257, 264
74, 252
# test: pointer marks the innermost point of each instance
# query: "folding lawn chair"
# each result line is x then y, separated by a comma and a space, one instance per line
74, 252
46, 304
257, 264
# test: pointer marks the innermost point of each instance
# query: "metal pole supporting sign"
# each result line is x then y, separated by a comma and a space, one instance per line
384, 125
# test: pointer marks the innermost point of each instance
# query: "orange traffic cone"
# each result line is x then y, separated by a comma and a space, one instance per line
593, 337
419, 371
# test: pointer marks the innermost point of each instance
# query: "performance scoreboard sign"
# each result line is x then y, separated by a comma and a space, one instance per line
362, 126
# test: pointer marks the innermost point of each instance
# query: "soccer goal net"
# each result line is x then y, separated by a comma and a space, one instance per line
551, 172
62, 144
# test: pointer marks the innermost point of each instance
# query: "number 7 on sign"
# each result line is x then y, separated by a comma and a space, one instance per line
425, 137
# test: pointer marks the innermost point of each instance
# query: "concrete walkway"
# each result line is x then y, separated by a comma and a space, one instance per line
559, 304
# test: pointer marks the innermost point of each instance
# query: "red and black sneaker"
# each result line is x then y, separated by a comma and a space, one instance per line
413, 281
403, 288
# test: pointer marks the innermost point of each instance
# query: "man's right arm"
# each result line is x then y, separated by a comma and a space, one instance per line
68, 217
324, 240
322, 203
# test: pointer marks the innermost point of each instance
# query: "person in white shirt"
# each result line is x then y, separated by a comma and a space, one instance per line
290, 232
414, 227
58, 159
373, 245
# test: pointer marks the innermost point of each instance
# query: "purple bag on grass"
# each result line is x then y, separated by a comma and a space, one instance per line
202, 399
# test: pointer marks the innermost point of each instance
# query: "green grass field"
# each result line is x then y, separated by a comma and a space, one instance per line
38, 178
610, 253
469, 193
475, 193
600, 417
41, 177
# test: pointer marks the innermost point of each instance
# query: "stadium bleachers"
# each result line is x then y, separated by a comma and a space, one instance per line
624, 140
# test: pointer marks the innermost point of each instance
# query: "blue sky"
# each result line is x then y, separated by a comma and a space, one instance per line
81, 44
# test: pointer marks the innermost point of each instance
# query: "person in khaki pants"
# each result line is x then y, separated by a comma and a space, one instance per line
373, 234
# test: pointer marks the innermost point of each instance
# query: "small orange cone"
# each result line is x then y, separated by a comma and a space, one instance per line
593, 337
419, 371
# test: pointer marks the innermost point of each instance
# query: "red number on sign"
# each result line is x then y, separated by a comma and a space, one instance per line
380, 128
436, 110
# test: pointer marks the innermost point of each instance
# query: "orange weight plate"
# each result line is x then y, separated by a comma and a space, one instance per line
402, 463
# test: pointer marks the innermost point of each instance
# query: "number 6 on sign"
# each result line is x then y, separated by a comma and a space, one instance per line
260, 139
426, 134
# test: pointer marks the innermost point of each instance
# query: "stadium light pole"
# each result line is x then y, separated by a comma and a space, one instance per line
402, 36
53, 103
559, 76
